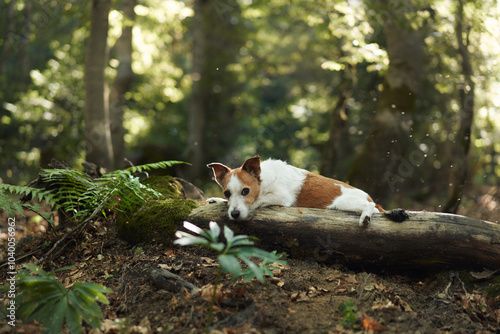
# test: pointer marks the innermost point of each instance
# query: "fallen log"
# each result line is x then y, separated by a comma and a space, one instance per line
426, 240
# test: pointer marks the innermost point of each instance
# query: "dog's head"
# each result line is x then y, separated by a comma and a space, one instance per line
241, 186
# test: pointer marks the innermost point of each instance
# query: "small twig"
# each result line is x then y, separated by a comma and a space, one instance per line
362, 288
83, 223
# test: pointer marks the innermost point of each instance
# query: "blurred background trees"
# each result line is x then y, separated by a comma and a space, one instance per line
400, 98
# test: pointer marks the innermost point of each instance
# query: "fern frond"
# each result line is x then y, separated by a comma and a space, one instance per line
40, 194
121, 191
8, 204
154, 165
68, 186
77, 193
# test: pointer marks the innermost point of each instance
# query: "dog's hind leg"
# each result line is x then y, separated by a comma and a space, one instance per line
356, 204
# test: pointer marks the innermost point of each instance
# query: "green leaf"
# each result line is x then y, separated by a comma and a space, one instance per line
255, 269
85, 308
218, 247
230, 265
56, 316
73, 319
92, 291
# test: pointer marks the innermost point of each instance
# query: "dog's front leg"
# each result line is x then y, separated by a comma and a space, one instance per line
212, 200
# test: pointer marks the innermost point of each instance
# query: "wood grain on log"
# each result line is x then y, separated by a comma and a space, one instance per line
427, 239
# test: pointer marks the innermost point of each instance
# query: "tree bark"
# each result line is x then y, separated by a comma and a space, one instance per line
98, 144
338, 135
426, 241
197, 113
466, 97
122, 82
375, 170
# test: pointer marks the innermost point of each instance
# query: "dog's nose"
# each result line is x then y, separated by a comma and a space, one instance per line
235, 214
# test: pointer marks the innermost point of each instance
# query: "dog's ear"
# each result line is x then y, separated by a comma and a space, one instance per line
252, 166
220, 171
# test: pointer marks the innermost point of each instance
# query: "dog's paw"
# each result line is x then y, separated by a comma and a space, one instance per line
364, 221
212, 200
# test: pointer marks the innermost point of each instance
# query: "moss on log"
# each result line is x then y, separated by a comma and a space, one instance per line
156, 220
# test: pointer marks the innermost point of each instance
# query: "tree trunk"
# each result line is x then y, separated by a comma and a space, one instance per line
8, 45
338, 135
426, 241
122, 83
197, 111
98, 144
466, 96
378, 168
212, 130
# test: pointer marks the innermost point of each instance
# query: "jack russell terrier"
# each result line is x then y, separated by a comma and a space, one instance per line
274, 182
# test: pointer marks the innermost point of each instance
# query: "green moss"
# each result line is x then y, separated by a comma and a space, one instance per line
165, 185
155, 221
492, 290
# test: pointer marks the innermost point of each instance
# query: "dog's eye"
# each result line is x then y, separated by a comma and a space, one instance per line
227, 193
245, 191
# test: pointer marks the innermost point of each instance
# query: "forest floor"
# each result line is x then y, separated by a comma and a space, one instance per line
302, 297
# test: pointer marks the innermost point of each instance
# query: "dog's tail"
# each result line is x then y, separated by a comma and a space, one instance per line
397, 215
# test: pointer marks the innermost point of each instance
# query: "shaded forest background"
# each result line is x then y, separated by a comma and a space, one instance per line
400, 98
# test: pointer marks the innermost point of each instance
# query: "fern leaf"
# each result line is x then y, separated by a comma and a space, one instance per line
154, 165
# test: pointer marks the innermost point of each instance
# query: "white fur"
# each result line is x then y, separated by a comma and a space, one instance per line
354, 200
281, 184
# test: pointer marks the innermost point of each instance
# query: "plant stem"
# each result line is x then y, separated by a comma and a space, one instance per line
212, 301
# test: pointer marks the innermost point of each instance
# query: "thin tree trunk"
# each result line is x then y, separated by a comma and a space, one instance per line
122, 83
338, 125
466, 96
10, 36
197, 108
376, 169
98, 144
24, 48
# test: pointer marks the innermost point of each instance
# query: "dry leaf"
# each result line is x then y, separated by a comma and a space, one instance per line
403, 304
278, 281
485, 274
165, 266
299, 297
379, 286
383, 306
351, 279
207, 292
372, 324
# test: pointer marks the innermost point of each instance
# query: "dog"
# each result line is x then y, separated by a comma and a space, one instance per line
274, 182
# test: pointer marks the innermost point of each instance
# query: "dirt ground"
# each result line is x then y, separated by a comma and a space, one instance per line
302, 297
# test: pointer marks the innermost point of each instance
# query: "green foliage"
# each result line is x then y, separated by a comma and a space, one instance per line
236, 247
11, 205
348, 313
44, 299
147, 167
77, 194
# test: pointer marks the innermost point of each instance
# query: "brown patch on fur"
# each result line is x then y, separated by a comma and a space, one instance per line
319, 191
251, 182
252, 166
